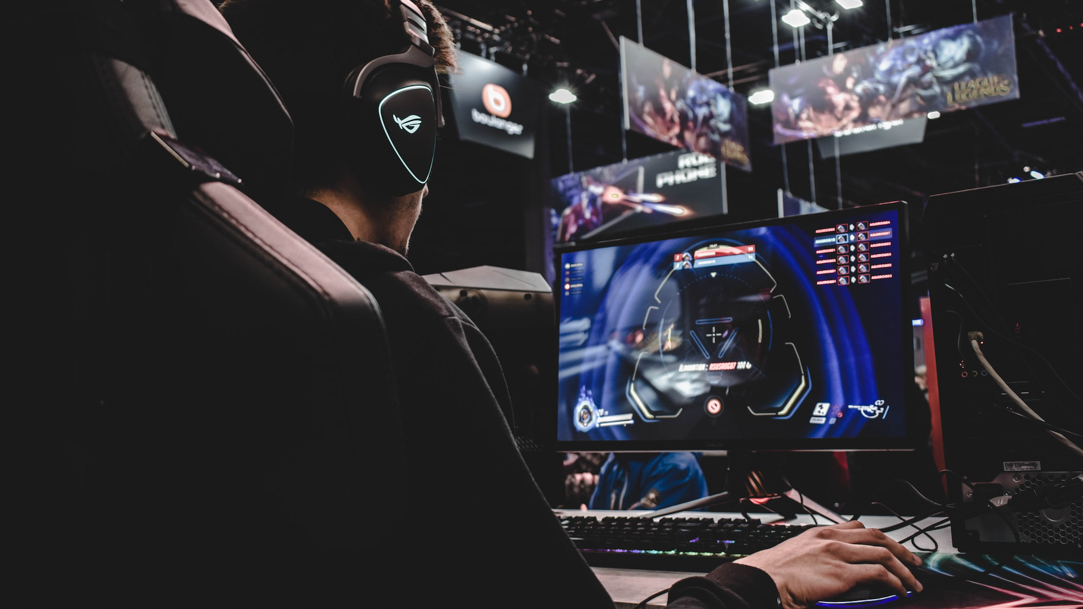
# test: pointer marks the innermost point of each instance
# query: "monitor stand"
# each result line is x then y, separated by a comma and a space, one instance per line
758, 478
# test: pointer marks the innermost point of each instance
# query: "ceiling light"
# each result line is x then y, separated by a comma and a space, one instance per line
562, 96
796, 18
849, 4
934, 114
1037, 175
763, 96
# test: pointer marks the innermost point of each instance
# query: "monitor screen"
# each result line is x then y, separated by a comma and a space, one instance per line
787, 334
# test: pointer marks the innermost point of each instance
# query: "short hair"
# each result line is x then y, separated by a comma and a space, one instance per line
307, 48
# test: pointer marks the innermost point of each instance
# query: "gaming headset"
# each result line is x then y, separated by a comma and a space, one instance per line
396, 109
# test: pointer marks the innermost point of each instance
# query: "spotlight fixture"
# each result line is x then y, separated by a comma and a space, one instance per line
1014, 180
849, 4
796, 18
934, 114
562, 96
763, 96
1037, 175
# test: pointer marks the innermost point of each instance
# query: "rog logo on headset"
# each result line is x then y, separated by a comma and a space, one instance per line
409, 124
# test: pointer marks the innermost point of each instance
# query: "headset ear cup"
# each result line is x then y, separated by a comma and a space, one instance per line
394, 119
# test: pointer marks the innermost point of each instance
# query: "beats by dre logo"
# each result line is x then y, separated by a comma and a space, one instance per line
496, 100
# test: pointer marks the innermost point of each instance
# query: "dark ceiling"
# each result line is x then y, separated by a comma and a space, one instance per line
574, 41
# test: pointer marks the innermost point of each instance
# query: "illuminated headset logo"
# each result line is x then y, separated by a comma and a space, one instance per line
496, 100
409, 124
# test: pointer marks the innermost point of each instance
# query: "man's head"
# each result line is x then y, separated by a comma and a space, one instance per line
308, 48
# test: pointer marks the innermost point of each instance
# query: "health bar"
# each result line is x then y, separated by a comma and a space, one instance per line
725, 251
729, 259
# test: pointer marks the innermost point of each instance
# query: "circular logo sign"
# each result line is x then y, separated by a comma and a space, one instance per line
496, 100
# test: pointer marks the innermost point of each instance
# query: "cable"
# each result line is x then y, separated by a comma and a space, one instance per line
911, 521
815, 523
894, 482
692, 505
936, 526
958, 347
1052, 370
643, 603
1043, 424
974, 344
977, 287
920, 531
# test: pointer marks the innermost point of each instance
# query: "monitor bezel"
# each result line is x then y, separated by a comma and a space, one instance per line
916, 417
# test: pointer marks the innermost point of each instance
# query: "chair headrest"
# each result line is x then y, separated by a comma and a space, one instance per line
218, 97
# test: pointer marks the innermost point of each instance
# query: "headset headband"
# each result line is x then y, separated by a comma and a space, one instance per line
417, 52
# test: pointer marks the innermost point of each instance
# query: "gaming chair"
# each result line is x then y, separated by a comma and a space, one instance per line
211, 418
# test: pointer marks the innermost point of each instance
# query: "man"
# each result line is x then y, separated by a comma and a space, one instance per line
504, 547
638, 481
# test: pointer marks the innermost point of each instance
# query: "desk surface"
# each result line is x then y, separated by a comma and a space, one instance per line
1024, 582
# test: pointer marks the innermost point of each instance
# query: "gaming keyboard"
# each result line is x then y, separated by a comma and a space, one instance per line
698, 543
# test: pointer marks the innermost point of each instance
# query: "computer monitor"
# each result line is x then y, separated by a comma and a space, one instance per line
785, 334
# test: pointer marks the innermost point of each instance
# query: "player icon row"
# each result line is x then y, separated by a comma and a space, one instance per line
854, 247
859, 226
846, 259
853, 269
851, 237
848, 279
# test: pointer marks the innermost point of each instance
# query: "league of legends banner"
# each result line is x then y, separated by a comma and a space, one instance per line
877, 87
670, 103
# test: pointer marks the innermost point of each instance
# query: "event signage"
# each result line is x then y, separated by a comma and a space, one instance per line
789, 205
670, 103
634, 194
494, 106
875, 88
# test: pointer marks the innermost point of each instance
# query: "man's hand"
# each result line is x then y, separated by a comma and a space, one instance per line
827, 561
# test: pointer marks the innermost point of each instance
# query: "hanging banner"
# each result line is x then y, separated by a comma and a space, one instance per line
670, 103
789, 205
643, 192
893, 133
875, 88
493, 105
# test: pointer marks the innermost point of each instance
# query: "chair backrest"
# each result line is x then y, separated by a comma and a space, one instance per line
223, 386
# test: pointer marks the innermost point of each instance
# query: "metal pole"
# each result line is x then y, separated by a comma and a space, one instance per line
835, 140
692, 34
639, 21
774, 36
620, 83
568, 125
729, 78
890, 32
974, 8
729, 49
811, 160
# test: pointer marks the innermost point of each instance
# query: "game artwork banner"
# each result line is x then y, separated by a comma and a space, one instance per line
879, 86
670, 103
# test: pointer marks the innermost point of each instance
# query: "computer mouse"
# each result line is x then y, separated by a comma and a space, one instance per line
862, 596
867, 595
